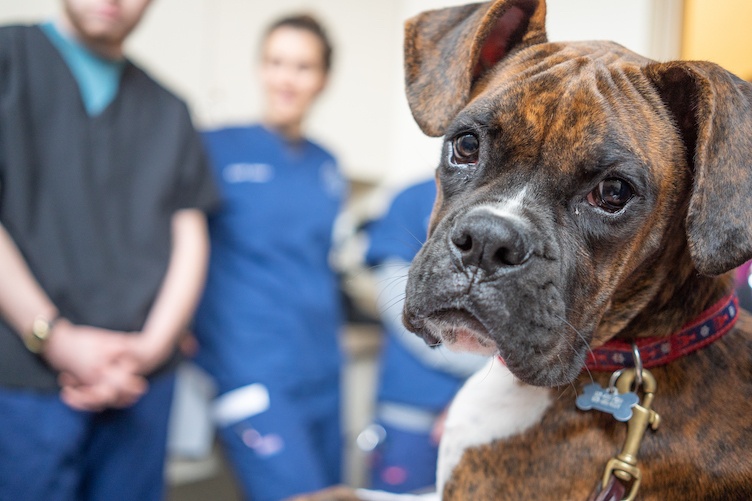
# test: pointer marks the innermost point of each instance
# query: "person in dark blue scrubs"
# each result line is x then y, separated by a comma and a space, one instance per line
416, 382
268, 323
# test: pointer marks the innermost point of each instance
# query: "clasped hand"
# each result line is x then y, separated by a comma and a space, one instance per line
101, 368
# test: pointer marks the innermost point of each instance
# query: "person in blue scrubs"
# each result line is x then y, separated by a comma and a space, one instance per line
416, 382
268, 323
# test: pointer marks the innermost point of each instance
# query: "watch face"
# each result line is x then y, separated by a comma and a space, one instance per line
40, 331
40, 328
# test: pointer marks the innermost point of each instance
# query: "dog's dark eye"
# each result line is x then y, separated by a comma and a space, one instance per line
465, 149
611, 195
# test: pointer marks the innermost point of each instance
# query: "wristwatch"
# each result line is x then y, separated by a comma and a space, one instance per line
40, 333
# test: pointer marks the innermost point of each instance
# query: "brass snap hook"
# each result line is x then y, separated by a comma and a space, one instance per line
624, 465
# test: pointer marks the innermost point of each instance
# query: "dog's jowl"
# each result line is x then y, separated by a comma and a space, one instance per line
592, 203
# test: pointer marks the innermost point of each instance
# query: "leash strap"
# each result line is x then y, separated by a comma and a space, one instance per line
711, 325
614, 491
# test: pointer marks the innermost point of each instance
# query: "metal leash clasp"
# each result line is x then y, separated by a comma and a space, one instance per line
624, 465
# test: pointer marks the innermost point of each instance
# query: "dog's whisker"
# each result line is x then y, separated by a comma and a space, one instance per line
488, 372
420, 242
396, 315
381, 266
388, 284
392, 286
584, 340
397, 301
386, 267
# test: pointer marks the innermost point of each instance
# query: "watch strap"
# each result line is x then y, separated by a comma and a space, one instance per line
41, 330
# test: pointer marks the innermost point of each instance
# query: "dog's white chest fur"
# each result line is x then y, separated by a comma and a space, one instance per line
491, 405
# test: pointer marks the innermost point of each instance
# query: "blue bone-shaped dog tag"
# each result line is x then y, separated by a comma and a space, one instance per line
608, 401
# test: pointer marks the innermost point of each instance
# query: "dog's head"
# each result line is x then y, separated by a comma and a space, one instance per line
581, 187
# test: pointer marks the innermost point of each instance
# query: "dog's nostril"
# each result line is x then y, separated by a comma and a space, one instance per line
508, 257
464, 242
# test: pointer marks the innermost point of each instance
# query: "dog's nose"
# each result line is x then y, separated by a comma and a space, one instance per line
489, 241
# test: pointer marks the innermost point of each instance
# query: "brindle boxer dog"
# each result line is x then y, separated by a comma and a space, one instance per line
589, 198
592, 203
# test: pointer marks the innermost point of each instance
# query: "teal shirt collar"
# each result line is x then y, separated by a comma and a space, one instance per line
98, 78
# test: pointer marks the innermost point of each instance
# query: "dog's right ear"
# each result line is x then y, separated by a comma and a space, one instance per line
448, 50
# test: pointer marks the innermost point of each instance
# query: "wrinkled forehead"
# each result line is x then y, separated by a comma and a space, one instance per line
551, 68
570, 98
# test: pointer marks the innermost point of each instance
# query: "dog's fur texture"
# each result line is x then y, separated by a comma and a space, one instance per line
525, 259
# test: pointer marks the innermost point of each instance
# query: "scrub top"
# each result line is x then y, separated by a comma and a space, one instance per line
270, 312
89, 199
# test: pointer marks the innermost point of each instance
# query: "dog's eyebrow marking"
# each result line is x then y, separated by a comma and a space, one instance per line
477, 122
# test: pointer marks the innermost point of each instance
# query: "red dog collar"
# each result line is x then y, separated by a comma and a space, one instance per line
712, 324
709, 326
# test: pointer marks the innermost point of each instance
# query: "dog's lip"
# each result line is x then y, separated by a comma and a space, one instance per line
462, 324
461, 318
460, 328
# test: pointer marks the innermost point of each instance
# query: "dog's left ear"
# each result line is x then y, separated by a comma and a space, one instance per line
713, 111
448, 50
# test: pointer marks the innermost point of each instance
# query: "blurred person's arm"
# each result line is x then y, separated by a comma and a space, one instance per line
83, 355
179, 293
22, 299
391, 279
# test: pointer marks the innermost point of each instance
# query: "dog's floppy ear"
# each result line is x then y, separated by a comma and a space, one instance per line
713, 111
447, 50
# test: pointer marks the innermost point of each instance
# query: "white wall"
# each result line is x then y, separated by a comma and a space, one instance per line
205, 50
